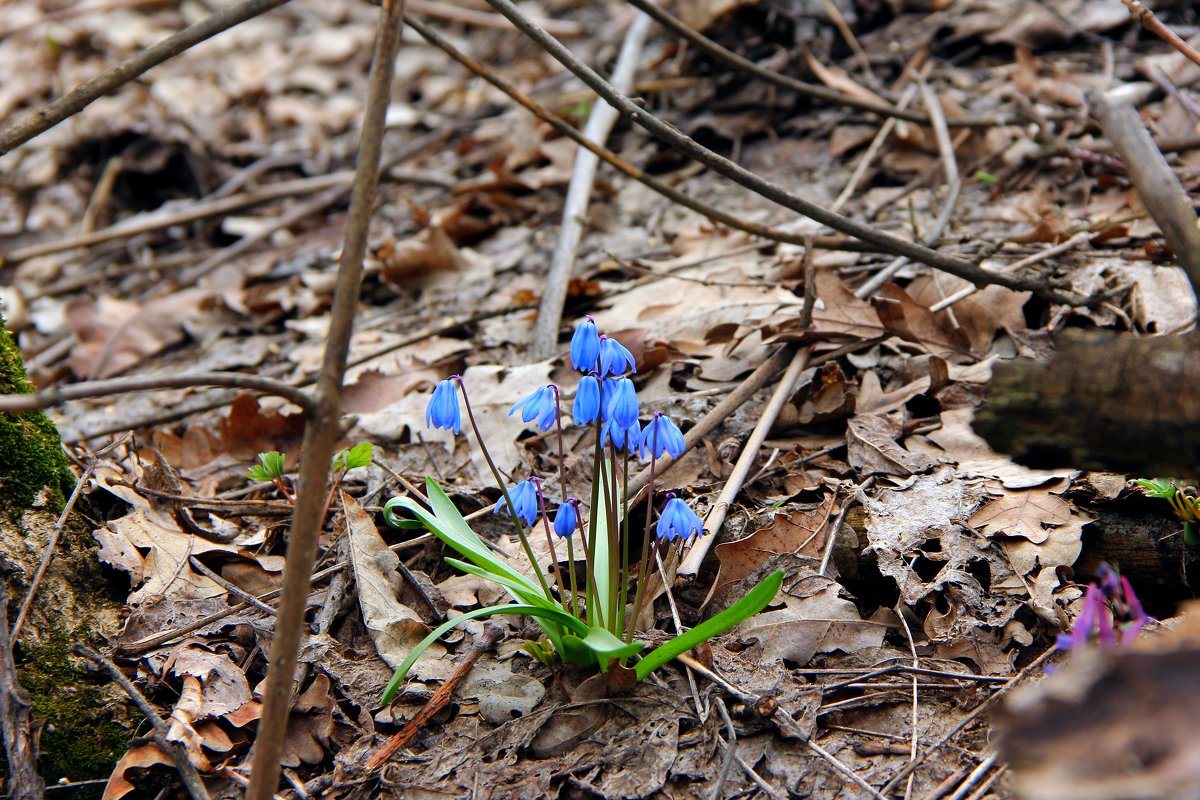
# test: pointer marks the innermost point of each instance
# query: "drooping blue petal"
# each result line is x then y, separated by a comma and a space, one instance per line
524, 497
587, 401
615, 358
622, 406
585, 346
661, 435
622, 438
566, 519
677, 521
442, 410
540, 404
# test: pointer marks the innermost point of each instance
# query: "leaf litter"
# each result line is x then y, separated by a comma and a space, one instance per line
954, 552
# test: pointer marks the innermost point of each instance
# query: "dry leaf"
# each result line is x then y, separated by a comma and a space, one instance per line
803, 532
915, 323
225, 688
872, 449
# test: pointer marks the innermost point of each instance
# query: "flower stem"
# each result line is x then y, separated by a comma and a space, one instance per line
593, 597
644, 567
562, 595
562, 481
512, 509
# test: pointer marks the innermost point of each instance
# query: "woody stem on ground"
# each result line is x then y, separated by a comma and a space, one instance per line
512, 508
322, 428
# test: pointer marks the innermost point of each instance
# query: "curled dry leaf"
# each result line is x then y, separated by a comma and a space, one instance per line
394, 627
872, 448
225, 688
802, 532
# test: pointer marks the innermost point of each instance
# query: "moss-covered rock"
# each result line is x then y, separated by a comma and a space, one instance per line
30, 448
86, 724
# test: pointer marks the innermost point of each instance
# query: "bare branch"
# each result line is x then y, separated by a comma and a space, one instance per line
16, 720
773, 192
87, 92
322, 431
57, 395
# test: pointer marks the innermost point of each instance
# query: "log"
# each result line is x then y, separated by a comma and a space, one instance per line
1118, 403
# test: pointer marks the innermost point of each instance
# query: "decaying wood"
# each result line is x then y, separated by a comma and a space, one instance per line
1117, 403
16, 720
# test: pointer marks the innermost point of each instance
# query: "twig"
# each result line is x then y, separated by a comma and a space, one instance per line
52, 545
486, 641
168, 217
85, 93
322, 430
579, 190
232, 588
16, 720
749, 180
953, 181
730, 751
151, 642
187, 770
845, 771
1162, 194
787, 82
741, 469
969, 718
662, 188
482, 19
57, 395
1153, 24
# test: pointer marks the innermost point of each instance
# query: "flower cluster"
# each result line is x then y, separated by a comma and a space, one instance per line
605, 397
1111, 612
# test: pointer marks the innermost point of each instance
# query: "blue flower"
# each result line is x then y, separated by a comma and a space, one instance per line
540, 404
585, 346
622, 438
615, 357
566, 519
587, 400
677, 521
621, 407
443, 411
525, 498
661, 435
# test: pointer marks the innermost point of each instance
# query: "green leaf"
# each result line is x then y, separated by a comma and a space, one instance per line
985, 177
1158, 487
360, 455
273, 466
603, 560
755, 600
606, 645
401, 673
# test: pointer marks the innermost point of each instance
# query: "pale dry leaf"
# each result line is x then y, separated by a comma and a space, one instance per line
225, 687
1032, 514
394, 627
956, 440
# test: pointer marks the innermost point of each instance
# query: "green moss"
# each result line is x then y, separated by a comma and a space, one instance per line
30, 448
83, 736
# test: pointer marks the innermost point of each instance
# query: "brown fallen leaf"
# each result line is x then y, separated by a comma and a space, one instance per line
142, 756
224, 685
915, 323
310, 725
1032, 514
428, 252
249, 430
803, 532
872, 448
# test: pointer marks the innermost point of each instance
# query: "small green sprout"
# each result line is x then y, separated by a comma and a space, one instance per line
1184, 502
270, 470
985, 177
361, 455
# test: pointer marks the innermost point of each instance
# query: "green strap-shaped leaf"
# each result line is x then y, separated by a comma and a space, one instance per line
562, 618
755, 600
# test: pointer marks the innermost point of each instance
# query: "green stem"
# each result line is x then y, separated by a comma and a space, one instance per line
562, 594
623, 601
646, 537
595, 613
512, 508
614, 537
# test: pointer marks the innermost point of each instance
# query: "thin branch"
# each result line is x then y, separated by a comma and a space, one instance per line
1164, 197
187, 770
579, 191
322, 430
741, 469
664, 189
85, 93
16, 720
1153, 24
749, 180
57, 395
814, 91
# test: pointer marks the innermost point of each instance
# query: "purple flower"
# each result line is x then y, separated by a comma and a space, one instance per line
541, 405
585, 346
615, 358
677, 521
566, 519
1111, 612
661, 435
442, 410
525, 498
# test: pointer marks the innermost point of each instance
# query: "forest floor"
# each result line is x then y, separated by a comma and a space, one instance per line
191, 221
